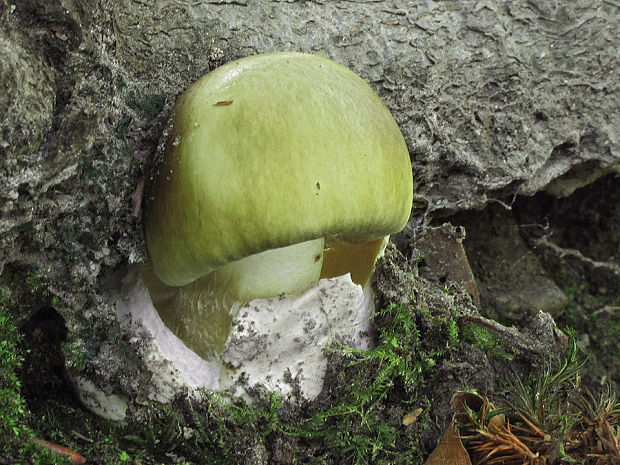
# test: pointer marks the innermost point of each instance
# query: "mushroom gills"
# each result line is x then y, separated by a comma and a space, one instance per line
340, 258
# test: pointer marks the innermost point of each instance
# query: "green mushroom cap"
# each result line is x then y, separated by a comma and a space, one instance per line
270, 151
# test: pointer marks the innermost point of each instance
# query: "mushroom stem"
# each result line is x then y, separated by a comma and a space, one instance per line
200, 313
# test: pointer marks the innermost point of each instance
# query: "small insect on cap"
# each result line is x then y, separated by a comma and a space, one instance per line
270, 151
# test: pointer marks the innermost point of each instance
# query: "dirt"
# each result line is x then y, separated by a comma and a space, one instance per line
559, 255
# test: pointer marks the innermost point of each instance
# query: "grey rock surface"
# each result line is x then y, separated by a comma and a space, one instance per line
513, 284
494, 98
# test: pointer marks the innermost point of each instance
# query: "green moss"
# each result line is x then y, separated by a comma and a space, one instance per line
148, 107
360, 423
596, 318
489, 343
358, 428
122, 127
37, 293
15, 432
12, 409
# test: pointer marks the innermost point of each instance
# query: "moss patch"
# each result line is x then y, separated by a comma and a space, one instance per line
358, 420
16, 435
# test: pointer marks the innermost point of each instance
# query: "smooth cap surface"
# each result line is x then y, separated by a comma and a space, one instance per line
269, 151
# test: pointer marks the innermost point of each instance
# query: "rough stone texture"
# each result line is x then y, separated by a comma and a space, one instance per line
494, 99
577, 239
444, 258
512, 282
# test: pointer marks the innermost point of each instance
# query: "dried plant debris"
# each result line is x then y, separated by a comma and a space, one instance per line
549, 420
450, 450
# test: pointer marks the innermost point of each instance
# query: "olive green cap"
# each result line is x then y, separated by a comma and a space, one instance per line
269, 151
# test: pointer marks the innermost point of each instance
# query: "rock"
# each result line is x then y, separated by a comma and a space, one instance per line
512, 282
444, 258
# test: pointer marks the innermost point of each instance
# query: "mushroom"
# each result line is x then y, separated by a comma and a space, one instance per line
279, 170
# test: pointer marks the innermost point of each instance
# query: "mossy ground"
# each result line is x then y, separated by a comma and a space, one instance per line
16, 420
422, 356
358, 420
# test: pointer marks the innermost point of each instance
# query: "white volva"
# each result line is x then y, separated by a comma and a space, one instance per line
271, 340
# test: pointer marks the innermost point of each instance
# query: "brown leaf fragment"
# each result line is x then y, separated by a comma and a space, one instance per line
222, 103
450, 450
460, 399
463, 400
445, 257
412, 417
496, 422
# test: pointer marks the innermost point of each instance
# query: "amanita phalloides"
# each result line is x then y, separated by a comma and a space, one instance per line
283, 176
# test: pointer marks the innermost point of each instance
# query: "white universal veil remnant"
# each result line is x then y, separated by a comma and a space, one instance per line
283, 177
